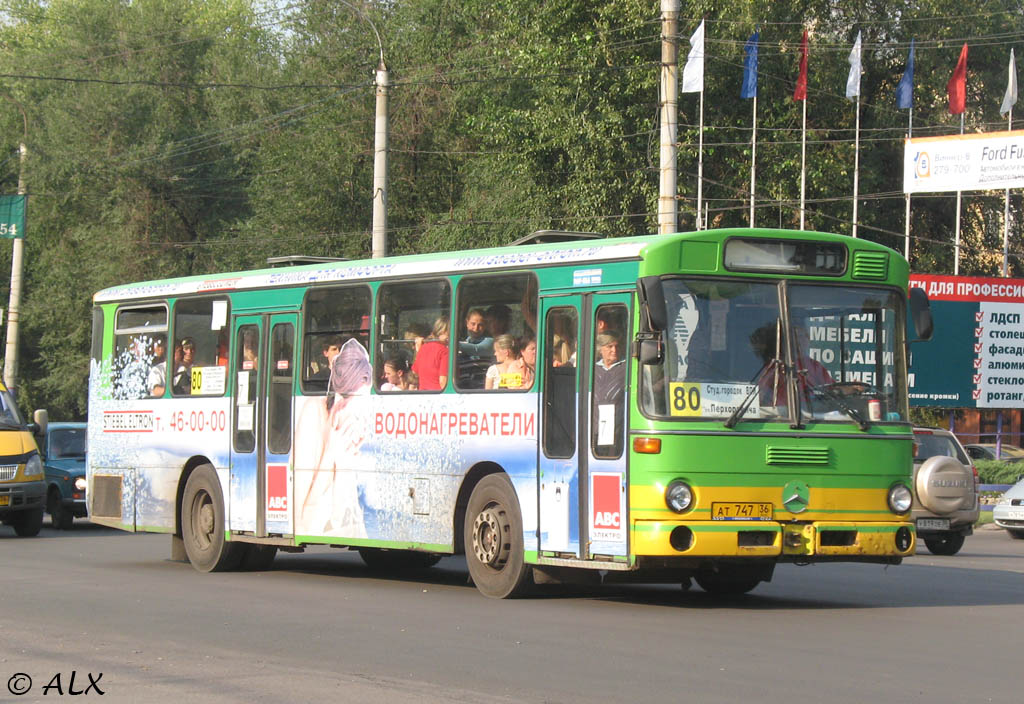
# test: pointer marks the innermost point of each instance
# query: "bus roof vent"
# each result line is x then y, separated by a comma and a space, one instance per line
548, 236
300, 259
870, 265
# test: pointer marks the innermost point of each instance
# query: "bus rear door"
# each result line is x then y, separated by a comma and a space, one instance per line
261, 460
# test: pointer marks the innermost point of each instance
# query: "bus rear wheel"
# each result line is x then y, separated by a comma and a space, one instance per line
202, 524
494, 539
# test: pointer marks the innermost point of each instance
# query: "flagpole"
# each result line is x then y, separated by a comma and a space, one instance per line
956, 247
906, 233
700, 160
803, 166
753, 163
856, 165
1006, 211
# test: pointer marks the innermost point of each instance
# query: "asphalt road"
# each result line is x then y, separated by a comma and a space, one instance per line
320, 626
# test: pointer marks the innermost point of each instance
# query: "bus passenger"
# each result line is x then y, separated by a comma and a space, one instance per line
396, 370
156, 381
478, 344
431, 363
506, 372
497, 319
609, 391
182, 382
528, 361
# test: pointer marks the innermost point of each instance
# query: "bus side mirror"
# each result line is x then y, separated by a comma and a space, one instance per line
652, 303
42, 419
921, 314
649, 349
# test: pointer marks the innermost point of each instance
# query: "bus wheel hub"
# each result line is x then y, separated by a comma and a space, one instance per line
489, 544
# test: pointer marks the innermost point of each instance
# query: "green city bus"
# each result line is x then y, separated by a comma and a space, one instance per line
696, 406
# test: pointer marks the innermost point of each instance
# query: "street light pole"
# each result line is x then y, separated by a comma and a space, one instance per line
380, 161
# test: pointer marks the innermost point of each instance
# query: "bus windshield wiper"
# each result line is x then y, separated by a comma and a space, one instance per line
742, 408
826, 391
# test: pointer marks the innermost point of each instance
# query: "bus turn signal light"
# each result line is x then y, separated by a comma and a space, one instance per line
647, 446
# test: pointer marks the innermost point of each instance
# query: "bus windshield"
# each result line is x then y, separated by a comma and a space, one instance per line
728, 345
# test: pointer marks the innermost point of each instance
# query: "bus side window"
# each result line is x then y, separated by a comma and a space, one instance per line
413, 324
332, 317
246, 374
608, 406
496, 324
202, 325
137, 334
279, 400
561, 325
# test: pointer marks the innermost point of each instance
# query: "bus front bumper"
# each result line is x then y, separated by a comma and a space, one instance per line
813, 540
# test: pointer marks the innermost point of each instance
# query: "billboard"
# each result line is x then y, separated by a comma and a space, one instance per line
975, 358
968, 162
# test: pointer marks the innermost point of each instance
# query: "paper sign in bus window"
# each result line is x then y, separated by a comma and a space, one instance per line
606, 424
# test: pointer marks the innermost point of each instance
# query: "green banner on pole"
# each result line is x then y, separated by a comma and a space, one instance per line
12, 216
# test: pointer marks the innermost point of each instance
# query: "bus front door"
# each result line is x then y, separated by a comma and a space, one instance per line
261, 460
582, 482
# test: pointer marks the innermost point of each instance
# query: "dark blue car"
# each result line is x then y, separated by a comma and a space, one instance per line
64, 462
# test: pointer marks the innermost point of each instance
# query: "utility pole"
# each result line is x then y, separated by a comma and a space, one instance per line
380, 161
669, 120
14, 307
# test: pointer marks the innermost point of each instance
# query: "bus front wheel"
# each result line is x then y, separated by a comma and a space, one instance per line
728, 580
202, 524
494, 539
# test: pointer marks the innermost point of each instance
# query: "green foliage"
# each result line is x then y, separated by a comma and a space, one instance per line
998, 472
174, 137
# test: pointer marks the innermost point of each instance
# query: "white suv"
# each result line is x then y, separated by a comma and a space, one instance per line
945, 491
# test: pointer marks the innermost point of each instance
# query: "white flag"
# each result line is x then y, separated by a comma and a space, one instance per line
853, 82
693, 71
1011, 88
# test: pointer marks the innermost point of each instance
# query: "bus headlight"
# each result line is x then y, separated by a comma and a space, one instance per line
34, 466
900, 498
678, 496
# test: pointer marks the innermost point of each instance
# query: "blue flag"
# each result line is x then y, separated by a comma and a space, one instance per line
905, 89
749, 89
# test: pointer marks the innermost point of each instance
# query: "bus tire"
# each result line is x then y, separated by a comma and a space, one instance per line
28, 523
728, 581
257, 558
202, 524
386, 559
493, 539
945, 544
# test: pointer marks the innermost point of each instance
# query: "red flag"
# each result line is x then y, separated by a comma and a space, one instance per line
801, 81
957, 86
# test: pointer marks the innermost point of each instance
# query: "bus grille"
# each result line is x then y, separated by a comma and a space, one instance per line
797, 455
7, 472
106, 495
870, 265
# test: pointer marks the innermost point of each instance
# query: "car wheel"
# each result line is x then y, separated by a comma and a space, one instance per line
28, 523
1016, 534
946, 544
202, 524
494, 539
60, 518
